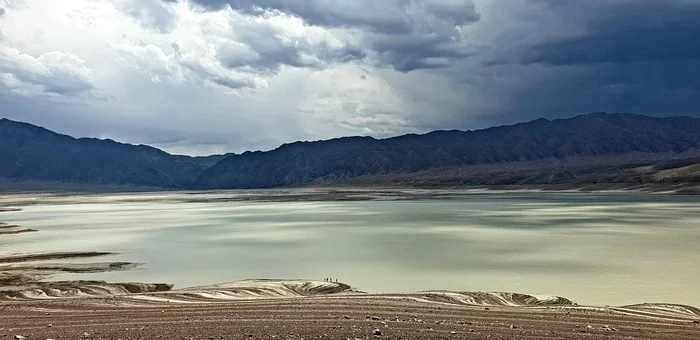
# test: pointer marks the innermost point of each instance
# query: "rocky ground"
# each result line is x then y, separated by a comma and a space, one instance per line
327, 317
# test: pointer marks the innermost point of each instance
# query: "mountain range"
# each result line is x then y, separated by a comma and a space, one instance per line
32, 153
596, 148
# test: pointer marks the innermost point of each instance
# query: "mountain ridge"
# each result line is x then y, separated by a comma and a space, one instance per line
595, 134
34, 153
440, 157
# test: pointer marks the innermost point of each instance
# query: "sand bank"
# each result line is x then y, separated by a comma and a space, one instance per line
25, 276
301, 309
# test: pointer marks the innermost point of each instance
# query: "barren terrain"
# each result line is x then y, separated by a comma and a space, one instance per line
319, 310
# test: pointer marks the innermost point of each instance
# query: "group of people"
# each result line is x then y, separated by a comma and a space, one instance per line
330, 280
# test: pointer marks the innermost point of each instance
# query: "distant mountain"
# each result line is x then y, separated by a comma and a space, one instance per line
32, 153
345, 160
592, 150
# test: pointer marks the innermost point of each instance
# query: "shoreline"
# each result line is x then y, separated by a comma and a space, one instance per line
671, 188
33, 270
300, 194
36, 307
27, 274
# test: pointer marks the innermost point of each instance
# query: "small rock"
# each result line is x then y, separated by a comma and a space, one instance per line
513, 326
49, 325
86, 335
19, 337
375, 318
696, 322
453, 332
377, 332
589, 327
472, 330
346, 317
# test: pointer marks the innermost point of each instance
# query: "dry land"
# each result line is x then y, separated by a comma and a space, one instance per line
336, 316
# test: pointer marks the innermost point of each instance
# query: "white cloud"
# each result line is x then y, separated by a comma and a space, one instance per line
51, 72
361, 102
185, 79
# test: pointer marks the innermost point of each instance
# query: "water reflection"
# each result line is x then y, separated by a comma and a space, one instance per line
596, 249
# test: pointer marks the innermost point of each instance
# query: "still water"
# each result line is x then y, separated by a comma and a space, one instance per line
595, 249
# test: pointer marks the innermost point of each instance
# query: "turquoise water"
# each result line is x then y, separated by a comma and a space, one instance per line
595, 249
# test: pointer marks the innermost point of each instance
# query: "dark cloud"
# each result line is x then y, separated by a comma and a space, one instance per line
404, 34
624, 32
388, 16
262, 48
267, 53
411, 52
232, 83
558, 58
525, 59
513, 93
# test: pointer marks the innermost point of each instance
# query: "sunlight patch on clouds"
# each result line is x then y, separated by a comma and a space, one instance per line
51, 72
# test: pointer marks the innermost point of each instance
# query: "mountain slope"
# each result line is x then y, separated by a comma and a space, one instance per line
337, 160
33, 153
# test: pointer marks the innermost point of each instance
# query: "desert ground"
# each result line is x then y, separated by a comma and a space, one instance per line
272, 309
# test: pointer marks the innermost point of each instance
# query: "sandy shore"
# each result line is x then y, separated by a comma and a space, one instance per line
9, 229
26, 275
269, 309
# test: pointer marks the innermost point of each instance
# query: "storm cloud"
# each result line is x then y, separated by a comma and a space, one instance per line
406, 35
203, 76
625, 32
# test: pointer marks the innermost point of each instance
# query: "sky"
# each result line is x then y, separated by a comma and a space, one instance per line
211, 76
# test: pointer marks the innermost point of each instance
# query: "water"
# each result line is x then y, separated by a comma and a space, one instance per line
594, 249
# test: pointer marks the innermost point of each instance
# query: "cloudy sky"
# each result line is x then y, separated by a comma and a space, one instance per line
205, 76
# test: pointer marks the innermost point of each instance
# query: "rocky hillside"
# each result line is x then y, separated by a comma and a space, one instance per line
32, 153
594, 148
338, 160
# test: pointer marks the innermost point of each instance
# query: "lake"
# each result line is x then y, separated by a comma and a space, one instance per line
601, 249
